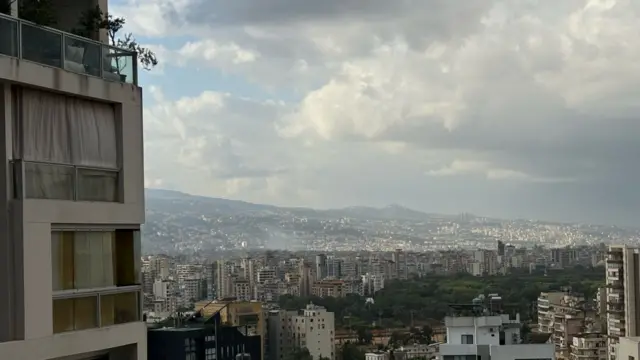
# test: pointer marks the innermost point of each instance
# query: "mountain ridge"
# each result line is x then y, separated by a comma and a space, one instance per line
391, 211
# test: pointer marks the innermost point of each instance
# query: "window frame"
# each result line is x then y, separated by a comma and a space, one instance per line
69, 294
136, 249
19, 178
17, 161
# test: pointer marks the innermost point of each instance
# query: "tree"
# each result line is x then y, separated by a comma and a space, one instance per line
365, 336
429, 298
299, 354
37, 11
350, 351
94, 20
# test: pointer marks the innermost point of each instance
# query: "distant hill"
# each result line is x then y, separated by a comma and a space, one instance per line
171, 200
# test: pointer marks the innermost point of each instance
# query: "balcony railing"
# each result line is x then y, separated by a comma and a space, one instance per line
94, 309
51, 47
37, 180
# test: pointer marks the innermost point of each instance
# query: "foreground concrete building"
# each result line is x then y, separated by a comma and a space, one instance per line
72, 193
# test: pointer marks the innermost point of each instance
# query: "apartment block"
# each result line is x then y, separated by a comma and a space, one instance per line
72, 192
561, 314
312, 328
622, 283
589, 346
475, 331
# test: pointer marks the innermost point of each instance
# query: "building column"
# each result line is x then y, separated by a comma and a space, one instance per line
11, 313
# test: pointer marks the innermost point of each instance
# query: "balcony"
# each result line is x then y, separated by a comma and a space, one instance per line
50, 47
93, 310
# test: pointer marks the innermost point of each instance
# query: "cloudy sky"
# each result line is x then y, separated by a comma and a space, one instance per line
523, 108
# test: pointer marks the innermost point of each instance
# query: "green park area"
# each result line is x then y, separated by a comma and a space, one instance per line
425, 300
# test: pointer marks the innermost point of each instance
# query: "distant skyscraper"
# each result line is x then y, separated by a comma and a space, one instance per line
500, 248
321, 266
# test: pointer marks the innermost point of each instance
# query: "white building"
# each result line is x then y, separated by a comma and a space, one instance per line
472, 335
312, 328
376, 356
73, 195
623, 284
629, 348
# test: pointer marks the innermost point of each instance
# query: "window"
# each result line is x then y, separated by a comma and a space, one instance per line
119, 308
91, 268
190, 349
467, 339
210, 354
69, 146
94, 259
75, 314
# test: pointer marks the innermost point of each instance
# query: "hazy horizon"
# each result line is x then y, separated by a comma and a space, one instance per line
513, 109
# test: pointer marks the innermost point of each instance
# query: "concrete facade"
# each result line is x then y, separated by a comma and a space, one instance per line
26, 312
491, 337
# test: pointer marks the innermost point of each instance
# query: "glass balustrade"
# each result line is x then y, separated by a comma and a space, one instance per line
55, 48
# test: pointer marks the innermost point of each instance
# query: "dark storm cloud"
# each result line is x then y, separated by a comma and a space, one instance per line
430, 18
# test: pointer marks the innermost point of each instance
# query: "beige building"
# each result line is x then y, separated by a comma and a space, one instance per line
73, 193
562, 315
546, 300
589, 346
312, 328
623, 276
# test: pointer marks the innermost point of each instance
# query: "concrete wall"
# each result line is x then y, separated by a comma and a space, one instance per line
67, 344
523, 351
25, 225
628, 348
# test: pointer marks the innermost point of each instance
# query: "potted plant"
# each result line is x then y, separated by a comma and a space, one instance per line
95, 20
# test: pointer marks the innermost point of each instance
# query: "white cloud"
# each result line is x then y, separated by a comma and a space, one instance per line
537, 95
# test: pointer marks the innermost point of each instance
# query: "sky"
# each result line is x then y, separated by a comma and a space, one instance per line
517, 109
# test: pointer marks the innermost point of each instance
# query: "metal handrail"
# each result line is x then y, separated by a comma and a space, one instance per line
65, 35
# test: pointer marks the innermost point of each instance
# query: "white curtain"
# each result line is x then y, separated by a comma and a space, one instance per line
93, 127
67, 130
93, 267
46, 127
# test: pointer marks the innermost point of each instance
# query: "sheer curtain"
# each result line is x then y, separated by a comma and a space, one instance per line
65, 130
94, 133
46, 127
93, 260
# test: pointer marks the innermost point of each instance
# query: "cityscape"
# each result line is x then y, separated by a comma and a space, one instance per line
285, 266
319, 180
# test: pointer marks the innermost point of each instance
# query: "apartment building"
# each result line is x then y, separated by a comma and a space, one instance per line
545, 303
474, 332
563, 315
623, 276
589, 346
312, 328
73, 193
